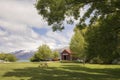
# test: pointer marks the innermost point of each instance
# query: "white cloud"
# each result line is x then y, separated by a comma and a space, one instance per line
21, 11
56, 36
17, 17
3, 33
17, 37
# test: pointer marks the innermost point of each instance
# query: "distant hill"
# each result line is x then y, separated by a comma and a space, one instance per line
23, 54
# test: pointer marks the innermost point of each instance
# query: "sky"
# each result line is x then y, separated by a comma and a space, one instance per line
21, 28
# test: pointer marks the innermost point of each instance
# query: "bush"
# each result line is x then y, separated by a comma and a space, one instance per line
8, 57
96, 60
66, 61
55, 59
55, 56
116, 61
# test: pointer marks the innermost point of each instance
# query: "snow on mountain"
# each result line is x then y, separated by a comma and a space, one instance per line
23, 54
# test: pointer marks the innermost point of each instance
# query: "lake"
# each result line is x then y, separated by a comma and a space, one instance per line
23, 61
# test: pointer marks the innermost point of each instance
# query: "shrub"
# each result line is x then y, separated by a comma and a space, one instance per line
96, 60
8, 57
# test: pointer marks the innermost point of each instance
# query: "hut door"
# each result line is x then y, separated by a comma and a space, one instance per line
65, 57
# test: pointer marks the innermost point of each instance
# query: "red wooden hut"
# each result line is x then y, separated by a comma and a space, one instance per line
66, 55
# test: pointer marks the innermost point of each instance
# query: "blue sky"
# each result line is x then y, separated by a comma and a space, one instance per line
40, 31
21, 28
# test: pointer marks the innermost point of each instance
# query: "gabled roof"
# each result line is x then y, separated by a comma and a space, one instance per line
67, 50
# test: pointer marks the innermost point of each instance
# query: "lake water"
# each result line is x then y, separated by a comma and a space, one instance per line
23, 61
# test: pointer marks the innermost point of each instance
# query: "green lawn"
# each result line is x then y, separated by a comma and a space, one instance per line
58, 71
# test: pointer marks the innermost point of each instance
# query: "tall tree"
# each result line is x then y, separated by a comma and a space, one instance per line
78, 44
55, 11
103, 39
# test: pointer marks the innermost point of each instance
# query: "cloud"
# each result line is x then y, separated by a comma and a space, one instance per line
21, 11
19, 36
22, 28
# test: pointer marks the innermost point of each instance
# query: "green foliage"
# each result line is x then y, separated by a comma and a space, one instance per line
103, 35
103, 40
55, 55
99, 42
2, 56
43, 53
96, 60
78, 44
7, 57
55, 11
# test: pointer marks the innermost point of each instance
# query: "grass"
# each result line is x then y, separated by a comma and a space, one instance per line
58, 71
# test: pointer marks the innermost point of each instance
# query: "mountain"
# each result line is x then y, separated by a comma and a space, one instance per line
23, 54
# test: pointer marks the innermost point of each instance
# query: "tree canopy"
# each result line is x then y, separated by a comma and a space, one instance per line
56, 11
103, 40
78, 44
100, 17
43, 53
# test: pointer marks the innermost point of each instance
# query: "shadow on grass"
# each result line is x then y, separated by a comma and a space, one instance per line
66, 72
